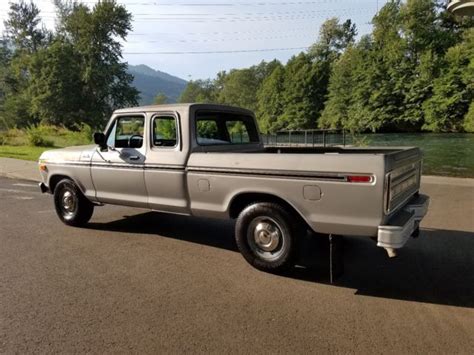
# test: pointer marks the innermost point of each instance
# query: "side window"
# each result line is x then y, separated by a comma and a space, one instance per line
164, 131
208, 132
127, 132
237, 132
214, 128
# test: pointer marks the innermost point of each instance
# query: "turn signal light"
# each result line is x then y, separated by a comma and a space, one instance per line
359, 178
43, 167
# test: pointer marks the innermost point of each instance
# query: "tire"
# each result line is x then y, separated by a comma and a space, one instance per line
71, 206
266, 237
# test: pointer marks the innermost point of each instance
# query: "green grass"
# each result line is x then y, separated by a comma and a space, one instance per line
29, 143
24, 152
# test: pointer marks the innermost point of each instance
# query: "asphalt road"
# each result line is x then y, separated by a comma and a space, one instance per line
136, 281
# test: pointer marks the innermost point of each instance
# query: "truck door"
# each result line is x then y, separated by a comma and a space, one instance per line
118, 172
165, 176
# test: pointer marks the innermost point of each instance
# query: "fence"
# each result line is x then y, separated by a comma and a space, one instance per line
305, 138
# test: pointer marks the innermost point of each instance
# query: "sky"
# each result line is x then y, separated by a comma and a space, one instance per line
195, 39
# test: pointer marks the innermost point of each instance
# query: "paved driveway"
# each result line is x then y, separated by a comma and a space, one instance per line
135, 281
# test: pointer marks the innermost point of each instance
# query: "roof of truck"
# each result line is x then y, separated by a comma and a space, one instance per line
175, 107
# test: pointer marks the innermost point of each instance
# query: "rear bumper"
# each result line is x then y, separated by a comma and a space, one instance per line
403, 224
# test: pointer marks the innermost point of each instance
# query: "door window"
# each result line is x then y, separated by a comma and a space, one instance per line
165, 131
127, 132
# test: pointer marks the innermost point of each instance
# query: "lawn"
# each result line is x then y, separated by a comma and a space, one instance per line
24, 152
29, 143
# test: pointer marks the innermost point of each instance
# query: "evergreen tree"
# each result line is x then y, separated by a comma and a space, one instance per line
270, 100
160, 99
453, 90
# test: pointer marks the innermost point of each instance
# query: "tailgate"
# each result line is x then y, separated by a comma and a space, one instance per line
402, 178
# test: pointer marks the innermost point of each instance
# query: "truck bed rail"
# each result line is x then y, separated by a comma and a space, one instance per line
306, 138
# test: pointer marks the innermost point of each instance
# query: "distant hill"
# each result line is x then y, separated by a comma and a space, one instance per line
151, 82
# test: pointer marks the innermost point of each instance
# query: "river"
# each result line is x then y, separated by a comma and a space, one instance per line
448, 154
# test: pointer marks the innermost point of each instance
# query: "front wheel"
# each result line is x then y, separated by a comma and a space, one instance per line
265, 236
71, 206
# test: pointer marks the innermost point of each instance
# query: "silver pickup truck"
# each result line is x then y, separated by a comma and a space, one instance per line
208, 160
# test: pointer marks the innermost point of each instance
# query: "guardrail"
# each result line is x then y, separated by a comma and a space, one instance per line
307, 137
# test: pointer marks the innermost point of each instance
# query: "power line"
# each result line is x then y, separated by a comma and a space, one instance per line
218, 52
204, 40
231, 4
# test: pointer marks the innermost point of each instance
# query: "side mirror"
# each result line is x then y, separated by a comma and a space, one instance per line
99, 139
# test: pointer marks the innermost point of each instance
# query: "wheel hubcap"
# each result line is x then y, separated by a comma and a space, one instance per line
267, 236
68, 202
266, 239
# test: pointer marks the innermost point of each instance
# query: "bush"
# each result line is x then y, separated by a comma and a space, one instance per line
37, 136
82, 136
469, 119
3, 138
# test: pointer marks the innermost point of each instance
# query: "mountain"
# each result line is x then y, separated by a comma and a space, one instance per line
151, 82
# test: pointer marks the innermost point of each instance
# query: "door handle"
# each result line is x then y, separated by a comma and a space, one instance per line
134, 157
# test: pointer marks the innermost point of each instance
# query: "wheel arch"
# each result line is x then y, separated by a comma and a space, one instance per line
56, 178
243, 199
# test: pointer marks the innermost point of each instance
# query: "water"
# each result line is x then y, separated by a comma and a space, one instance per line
448, 154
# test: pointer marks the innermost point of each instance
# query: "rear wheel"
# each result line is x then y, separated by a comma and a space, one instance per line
265, 235
71, 206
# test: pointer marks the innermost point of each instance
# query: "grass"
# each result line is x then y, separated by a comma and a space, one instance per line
28, 144
24, 152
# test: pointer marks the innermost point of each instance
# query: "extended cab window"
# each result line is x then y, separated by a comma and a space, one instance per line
213, 128
127, 132
164, 131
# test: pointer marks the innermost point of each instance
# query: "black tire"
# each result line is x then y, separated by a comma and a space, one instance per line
266, 236
71, 206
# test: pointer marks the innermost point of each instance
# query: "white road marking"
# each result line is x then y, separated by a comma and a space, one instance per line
46, 211
26, 185
15, 191
24, 197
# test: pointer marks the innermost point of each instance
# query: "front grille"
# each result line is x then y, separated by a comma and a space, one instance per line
401, 184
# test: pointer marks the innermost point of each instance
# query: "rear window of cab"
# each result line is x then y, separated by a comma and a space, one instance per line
224, 128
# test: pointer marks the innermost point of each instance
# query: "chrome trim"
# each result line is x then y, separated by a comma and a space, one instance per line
329, 176
397, 177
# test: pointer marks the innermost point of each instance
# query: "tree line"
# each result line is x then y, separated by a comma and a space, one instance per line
413, 72
69, 76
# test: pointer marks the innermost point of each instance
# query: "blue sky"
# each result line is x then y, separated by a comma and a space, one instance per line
167, 34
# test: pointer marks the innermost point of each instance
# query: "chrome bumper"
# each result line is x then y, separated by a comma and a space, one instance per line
403, 224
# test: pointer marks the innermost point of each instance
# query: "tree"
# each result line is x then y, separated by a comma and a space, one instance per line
200, 91
453, 90
55, 86
94, 35
23, 38
160, 99
270, 100
303, 99
333, 39
240, 88
351, 86
5, 77
22, 27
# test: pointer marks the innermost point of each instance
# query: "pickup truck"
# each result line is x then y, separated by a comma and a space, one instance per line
209, 160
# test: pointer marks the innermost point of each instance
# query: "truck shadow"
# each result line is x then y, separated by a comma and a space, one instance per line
437, 267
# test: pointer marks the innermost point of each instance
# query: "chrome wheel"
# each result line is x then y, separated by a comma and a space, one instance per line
68, 203
265, 238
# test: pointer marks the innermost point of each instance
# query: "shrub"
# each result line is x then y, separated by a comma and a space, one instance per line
82, 136
3, 138
37, 136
